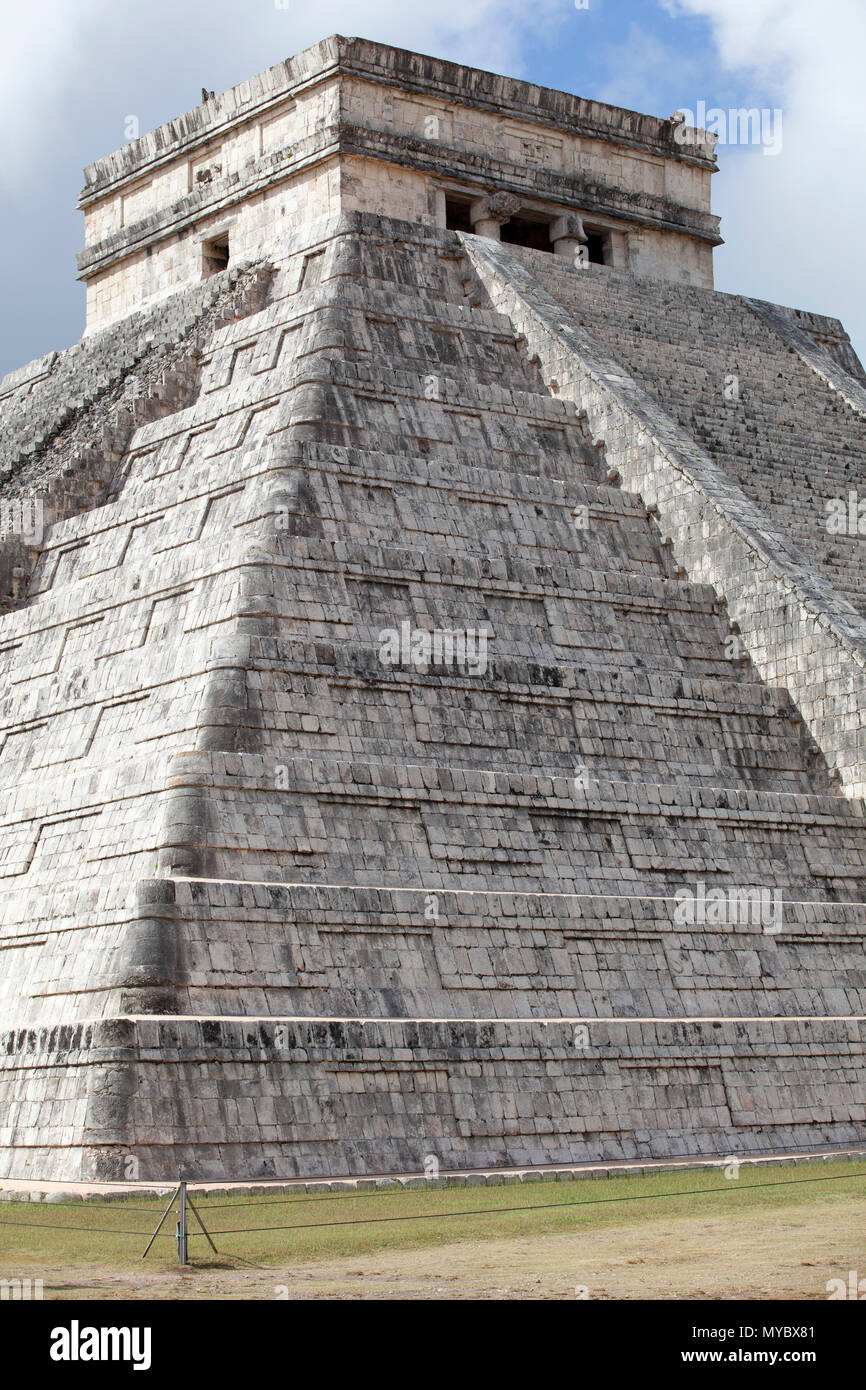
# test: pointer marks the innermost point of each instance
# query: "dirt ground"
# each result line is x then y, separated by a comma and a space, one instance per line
789, 1253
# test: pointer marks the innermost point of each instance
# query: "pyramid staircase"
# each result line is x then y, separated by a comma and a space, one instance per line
741, 390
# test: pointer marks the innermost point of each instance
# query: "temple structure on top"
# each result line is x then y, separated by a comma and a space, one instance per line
353, 126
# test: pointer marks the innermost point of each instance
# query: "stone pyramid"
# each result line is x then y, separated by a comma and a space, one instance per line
431, 715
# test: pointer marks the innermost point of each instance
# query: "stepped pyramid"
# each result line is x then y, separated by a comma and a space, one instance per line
431, 711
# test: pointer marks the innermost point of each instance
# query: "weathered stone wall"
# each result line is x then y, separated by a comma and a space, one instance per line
270, 1097
49, 404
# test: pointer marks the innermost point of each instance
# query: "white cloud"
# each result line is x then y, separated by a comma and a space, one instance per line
72, 71
60, 60
36, 43
794, 222
640, 68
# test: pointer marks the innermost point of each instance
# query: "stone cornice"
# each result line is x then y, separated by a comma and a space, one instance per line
577, 190
447, 162
509, 96
380, 64
219, 196
199, 126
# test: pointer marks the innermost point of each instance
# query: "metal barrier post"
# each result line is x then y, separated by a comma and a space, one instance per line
181, 1227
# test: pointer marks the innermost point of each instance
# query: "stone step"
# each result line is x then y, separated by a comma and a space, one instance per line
342, 699
372, 952
557, 714
362, 592
298, 949
365, 324
334, 491
425, 826
532, 436
399, 1093
794, 425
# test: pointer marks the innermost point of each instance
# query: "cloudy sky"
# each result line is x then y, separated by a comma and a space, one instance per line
73, 71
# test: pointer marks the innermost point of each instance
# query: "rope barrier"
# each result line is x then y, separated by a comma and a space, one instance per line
538, 1206
730, 1187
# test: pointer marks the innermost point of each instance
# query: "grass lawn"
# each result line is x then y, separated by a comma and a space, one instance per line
341, 1226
